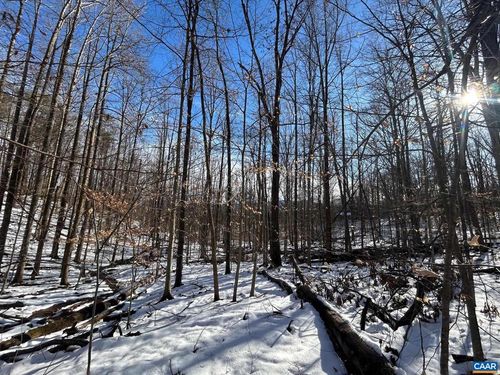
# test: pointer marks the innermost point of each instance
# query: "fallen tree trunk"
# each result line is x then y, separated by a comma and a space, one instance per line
285, 285
5, 306
49, 311
61, 344
110, 281
56, 308
359, 357
102, 309
16, 318
58, 323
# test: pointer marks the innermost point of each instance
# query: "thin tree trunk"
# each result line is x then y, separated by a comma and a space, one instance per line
181, 234
208, 186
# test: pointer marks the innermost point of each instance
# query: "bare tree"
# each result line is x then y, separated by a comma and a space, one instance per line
288, 19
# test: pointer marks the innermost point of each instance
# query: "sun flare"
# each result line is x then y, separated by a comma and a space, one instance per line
469, 98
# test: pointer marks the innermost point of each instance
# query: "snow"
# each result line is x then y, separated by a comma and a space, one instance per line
194, 335
267, 334
418, 344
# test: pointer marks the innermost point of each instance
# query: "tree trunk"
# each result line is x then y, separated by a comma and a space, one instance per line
181, 234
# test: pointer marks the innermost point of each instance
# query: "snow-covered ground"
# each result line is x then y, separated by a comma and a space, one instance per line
346, 285
194, 335
270, 333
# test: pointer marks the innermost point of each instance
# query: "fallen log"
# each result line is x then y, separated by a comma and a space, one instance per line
6, 327
15, 318
48, 312
58, 323
110, 281
56, 308
61, 344
285, 285
358, 356
102, 309
5, 306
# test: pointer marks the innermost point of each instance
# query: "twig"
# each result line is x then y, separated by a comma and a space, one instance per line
195, 348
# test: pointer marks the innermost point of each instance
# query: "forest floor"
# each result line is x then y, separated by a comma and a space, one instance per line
270, 333
390, 284
266, 334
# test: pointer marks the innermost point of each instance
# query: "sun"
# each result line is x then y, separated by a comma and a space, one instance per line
469, 98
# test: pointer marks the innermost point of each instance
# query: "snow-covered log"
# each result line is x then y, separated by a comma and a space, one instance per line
282, 283
103, 308
358, 356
